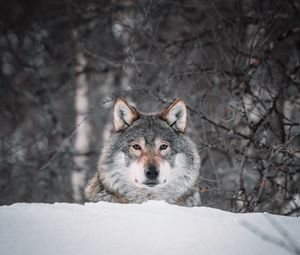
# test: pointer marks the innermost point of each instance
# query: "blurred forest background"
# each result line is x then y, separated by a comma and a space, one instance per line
236, 64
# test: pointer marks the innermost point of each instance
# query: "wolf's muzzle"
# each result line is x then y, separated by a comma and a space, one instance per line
151, 184
152, 173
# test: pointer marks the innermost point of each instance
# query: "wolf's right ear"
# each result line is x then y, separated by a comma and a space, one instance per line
124, 114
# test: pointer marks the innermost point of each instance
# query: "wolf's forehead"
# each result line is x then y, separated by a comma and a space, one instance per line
151, 129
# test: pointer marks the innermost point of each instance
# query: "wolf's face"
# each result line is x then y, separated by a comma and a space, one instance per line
150, 151
148, 161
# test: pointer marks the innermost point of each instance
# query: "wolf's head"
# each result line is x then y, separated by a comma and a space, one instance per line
149, 153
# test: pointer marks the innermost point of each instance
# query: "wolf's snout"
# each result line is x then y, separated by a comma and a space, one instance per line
152, 172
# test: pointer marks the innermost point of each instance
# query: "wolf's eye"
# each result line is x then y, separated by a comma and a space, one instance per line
163, 147
136, 147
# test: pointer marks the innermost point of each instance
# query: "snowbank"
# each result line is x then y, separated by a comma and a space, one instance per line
151, 228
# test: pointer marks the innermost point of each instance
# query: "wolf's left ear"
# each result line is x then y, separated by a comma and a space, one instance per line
175, 115
124, 114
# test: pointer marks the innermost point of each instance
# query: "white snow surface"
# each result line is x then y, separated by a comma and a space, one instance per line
152, 228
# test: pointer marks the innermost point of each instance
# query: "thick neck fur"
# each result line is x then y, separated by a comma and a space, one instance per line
112, 186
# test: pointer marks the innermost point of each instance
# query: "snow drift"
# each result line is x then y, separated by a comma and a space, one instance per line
154, 227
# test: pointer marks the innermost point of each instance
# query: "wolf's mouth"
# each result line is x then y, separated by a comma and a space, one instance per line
151, 183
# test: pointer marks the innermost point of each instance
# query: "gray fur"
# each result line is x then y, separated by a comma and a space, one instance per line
112, 183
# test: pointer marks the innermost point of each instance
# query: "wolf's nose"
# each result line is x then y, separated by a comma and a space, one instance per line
151, 172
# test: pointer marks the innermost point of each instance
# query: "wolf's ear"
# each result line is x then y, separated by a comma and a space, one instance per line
175, 115
124, 114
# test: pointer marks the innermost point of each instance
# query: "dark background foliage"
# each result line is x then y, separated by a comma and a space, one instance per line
235, 63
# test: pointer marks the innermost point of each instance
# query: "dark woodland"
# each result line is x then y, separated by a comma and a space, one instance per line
235, 63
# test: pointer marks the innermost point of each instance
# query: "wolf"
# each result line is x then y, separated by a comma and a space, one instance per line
149, 157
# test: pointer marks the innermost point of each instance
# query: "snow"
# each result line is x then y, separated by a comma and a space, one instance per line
154, 227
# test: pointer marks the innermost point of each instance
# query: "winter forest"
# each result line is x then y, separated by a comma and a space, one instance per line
235, 63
